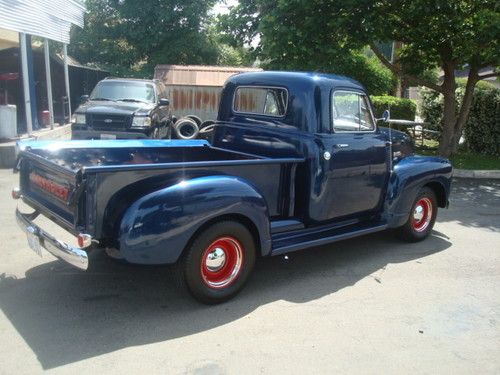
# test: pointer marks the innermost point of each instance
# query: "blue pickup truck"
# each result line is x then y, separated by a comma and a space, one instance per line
295, 160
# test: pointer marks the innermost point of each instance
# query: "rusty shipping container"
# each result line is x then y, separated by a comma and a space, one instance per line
195, 89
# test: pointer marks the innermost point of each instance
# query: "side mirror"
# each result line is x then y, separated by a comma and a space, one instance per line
386, 116
164, 101
84, 98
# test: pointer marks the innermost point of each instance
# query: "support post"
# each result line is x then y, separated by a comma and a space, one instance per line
66, 78
49, 82
26, 84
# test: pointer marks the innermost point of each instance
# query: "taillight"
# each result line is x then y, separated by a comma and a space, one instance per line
16, 193
84, 240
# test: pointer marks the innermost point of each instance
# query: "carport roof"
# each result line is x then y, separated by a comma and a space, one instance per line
51, 19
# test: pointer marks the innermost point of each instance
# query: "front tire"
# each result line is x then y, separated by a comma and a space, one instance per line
219, 261
422, 217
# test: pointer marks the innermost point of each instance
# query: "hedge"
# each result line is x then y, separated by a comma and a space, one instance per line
401, 109
482, 130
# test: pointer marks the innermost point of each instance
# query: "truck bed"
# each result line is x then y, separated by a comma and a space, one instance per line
69, 155
73, 188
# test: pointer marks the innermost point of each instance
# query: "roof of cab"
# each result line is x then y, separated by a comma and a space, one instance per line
286, 78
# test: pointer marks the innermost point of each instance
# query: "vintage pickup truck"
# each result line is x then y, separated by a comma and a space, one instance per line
295, 160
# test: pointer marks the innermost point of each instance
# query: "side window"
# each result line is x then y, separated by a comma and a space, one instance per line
351, 112
269, 101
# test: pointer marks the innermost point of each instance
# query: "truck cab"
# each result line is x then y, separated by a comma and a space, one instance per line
325, 119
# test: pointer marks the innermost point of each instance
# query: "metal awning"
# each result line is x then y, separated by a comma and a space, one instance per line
51, 19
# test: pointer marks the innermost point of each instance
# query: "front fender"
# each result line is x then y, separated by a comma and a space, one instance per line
157, 227
407, 178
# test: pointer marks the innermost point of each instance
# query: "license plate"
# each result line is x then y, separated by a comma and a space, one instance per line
108, 136
34, 243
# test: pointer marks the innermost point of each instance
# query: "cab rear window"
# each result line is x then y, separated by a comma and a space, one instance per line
267, 101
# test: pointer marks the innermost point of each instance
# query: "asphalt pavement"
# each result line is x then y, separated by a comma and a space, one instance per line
368, 305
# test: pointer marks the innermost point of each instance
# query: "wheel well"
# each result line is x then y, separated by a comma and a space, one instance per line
233, 217
438, 189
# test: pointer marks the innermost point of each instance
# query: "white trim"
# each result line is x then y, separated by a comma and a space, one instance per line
26, 84
48, 79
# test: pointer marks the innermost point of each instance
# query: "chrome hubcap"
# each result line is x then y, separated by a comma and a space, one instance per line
418, 214
215, 259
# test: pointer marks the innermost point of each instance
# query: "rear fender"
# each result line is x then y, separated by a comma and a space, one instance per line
157, 227
408, 177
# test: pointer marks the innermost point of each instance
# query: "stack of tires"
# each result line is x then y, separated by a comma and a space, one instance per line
192, 127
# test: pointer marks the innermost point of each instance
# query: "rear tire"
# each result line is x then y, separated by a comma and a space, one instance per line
219, 261
422, 217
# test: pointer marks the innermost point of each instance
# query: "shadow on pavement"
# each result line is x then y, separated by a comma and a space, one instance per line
474, 203
67, 316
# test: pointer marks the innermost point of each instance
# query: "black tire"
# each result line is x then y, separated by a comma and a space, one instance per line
194, 269
186, 128
416, 229
195, 119
206, 123
206, 132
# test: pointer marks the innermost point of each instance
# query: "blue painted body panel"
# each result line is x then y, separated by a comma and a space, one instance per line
148, 198
156, 228
409, 175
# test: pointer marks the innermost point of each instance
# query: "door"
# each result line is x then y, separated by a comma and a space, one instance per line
354, 158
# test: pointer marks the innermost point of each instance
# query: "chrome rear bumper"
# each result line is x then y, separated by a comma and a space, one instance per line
70, 254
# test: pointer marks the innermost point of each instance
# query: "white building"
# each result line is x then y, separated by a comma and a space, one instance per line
49, 20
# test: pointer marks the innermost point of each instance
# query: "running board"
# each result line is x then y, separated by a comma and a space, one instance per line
283, 246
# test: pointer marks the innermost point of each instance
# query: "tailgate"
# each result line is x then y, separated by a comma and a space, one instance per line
51, 189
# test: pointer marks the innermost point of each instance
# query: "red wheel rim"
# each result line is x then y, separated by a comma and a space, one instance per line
421, 215
221, 262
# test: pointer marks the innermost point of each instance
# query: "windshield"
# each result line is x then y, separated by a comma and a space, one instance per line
127, 91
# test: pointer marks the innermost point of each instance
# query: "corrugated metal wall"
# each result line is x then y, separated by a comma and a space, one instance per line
50, 19
201, 101
197, 75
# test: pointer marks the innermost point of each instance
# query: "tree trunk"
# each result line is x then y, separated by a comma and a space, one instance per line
449, 111
398, 91
465, 106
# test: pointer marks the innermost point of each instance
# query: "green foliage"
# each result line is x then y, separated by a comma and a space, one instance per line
291, 40
460, 32
446, 34
129, 37
401, 109
229, 56
482, 130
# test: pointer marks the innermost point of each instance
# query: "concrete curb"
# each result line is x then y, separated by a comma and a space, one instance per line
8, 150
476, 174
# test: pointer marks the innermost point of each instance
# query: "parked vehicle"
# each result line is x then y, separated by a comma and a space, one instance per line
296, 160
123, 108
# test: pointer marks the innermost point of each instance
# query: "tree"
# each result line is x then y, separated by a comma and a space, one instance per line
446, 34
132, 35
290, 39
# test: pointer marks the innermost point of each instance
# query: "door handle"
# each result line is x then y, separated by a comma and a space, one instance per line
341, 145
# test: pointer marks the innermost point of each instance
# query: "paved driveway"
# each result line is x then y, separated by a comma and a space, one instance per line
368, 305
